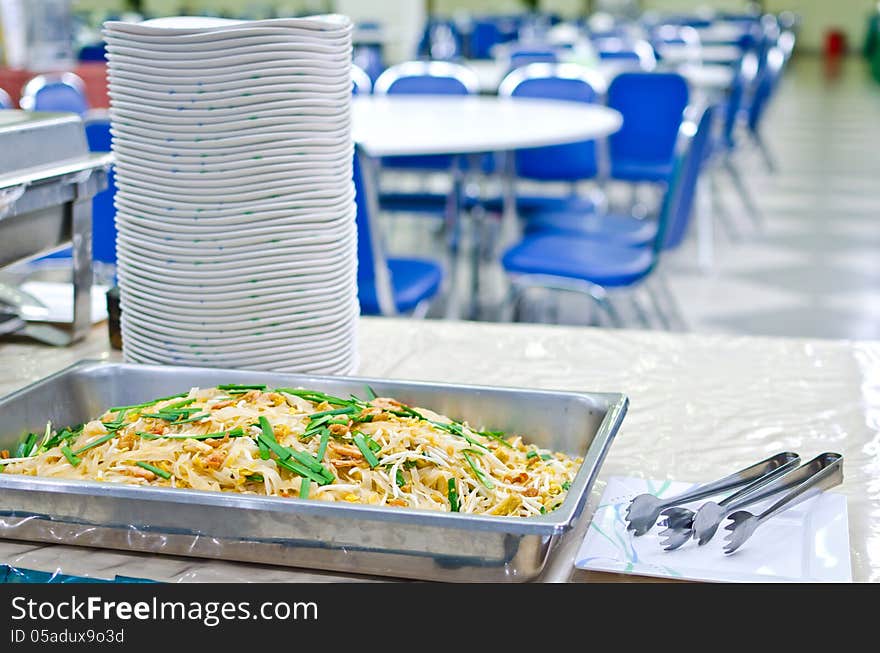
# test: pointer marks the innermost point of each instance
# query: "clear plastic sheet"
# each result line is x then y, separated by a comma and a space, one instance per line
701, 406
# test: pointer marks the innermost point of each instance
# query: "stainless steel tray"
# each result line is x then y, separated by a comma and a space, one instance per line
396, 542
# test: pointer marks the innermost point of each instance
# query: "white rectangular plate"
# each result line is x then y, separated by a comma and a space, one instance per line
807, 543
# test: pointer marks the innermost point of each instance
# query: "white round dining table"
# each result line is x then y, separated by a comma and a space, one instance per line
442, 124
406, 125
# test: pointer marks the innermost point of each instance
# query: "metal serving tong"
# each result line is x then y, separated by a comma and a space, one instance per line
682, 523
644, 510
825, 471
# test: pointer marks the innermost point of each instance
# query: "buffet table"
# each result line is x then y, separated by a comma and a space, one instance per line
701, 406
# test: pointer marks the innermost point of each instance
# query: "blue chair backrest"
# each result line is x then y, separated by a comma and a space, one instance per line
736, 99
682, 191
368, 57
652, 105
93, 52
372, 267
523, 57
5, 100
424, 78
441, 41
361, 84
60, 96
765, 86
103, 210
569, 162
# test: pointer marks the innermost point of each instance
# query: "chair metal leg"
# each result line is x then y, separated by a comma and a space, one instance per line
766, 153
658, 309
672, 301
611, 311
705, 226
744, 193
720, 210
639, 311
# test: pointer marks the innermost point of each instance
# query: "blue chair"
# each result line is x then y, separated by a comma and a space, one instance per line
652, 105
765, 87
5, 100
627, 229
423, 78
93, 52
638, 54
570, 163
65, 92
387, 286
521, 57
441, 41
594, 262
368, 57
360, 81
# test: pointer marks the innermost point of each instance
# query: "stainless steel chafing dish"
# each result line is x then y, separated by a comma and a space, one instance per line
399, 542
47, 180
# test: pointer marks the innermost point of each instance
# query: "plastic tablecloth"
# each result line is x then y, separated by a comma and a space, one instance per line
701, 406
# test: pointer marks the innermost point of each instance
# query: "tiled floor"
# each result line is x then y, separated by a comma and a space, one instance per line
813, 267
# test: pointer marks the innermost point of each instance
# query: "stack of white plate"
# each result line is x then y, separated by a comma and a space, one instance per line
235, 204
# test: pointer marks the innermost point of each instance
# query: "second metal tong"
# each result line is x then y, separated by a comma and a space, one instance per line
643, 510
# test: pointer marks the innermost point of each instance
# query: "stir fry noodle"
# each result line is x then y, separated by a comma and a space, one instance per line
292, 442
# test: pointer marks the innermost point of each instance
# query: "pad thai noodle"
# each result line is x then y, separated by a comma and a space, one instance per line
292, 442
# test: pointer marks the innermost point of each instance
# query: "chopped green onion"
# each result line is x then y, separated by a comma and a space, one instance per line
304, 486
25, 448
531, 454
409, 464
314, 396
546, 456
497, 436
369, 456
306, 472
256, 477
347, 410
264, 450
234, 433
95, 443
146, 404
372, 444
308, 461
566, 485
71, 457
371, 394
179, 404
458, 429
484, 480
322, 446
543, 510
194, 418
469, 450
156, 470
239, 386
453, 496
399, 478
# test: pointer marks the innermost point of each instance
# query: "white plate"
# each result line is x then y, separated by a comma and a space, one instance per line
183, 114
317, 201
807, 543
144, 266
240, 159
242, 204
232, 80
241, 52
223, 42
205, 26
226, 303
206, 176
190, 129
212, 230
209, 25
259, 187
288, 344
321, 326
198, 260
256, 94
328, 324
255, 146
336, 132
